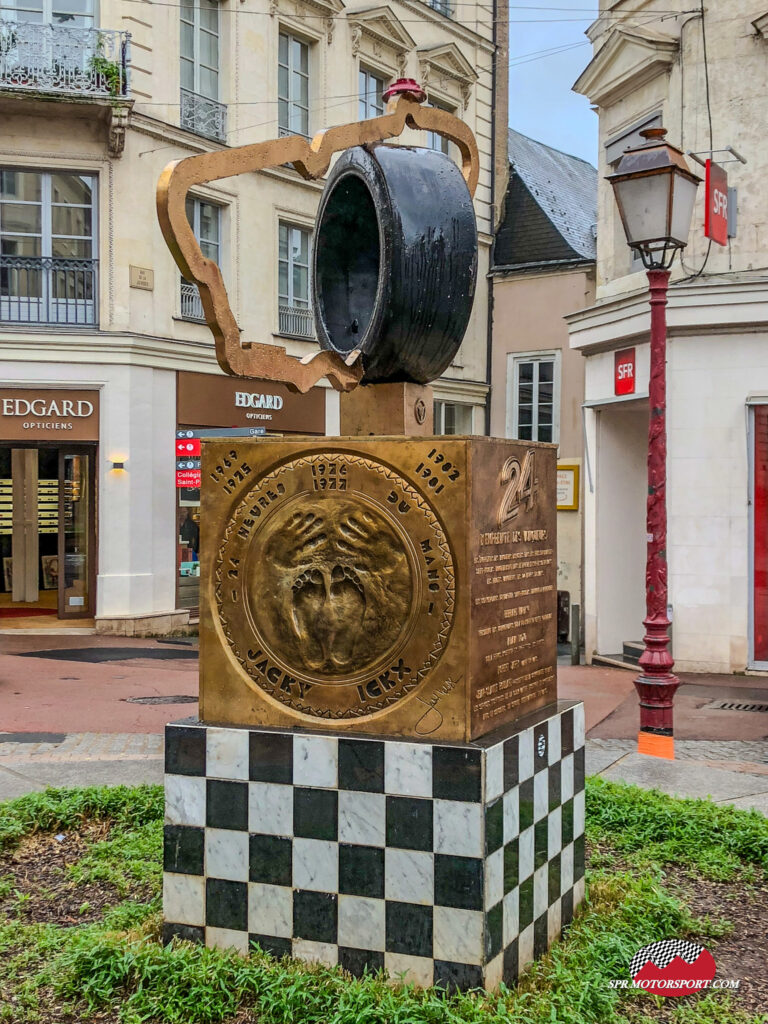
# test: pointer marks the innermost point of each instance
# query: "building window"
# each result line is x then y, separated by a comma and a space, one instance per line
48, 273
205, 221
371, 103
292, 86
49, 12
293, 282
201, 110
443, 6
435, 141
535, 398
453, 418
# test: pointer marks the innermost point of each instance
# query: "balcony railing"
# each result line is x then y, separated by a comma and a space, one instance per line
45, 290
57, 58
191, 306
296, 321
203, 116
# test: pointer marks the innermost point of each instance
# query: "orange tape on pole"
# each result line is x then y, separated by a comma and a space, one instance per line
656, 746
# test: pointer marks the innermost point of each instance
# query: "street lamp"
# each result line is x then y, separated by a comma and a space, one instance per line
655, 191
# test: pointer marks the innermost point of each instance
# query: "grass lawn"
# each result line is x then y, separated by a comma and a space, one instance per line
80, 919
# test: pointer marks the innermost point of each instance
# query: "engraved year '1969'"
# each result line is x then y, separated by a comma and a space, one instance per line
229, 475
432, 473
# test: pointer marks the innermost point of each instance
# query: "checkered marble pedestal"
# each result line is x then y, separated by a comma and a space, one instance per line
458, 864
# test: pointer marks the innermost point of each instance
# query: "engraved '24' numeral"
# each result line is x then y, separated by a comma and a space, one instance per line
520, 486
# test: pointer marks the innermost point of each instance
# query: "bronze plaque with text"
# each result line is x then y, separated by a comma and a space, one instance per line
396, 586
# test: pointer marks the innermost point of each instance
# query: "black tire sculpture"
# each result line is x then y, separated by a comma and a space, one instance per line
394, 261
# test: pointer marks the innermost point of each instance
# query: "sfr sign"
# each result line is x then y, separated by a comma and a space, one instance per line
624, 372
716, 215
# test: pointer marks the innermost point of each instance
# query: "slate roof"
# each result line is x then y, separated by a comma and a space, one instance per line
550, 208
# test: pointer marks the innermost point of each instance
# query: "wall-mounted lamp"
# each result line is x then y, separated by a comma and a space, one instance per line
118, 466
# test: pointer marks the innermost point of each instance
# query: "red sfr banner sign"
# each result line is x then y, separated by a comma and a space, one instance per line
716, 214
624, 372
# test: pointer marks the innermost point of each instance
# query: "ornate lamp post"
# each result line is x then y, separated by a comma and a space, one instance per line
655, 191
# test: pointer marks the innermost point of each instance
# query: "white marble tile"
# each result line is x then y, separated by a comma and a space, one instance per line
226, 753
525, 755
315, 952
226, 854
540, 891
494, 973
315, 865
525, 850
362, 922
184, 899
316, 761
511, 814
578, 726
226, 938
511, 916
578, 892
555, 746
566, 778
494, 772
362, 818
458, 935
525, 949
270, 808
566, 869
494, 878
184, 800
458, 828
409, 876
578, 814
270, 910
540, 794
416, 970
555, 832
553, 923
408, 769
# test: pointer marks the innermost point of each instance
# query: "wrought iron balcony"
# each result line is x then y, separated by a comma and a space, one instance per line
191, 306
61, 59
45, 290
296, 321
203, 116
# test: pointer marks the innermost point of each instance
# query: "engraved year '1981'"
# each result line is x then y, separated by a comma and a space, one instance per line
430, 473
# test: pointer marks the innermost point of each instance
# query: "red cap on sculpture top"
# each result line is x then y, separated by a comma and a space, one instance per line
405, 87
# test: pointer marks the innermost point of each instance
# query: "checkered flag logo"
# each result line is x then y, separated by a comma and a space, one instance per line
663, 953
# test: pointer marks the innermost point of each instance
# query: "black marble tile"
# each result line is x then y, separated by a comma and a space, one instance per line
184, 750
540, 746
361, 765
226, 804
457, 977
226, 904
358, 962
456, 774
511, 865
361, 871
494, 930
409, 929
566, 732
566, 909
540, 936
555, 879
458, 882
526, 804
409, 823
540, 843
271, 757
555, 786
578, 858
510, 968
184, 849
271, 860
271, 944
315, 916
511, 763
188, 932
494, 826
567, 822
578, 770
526, 902
315, 813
